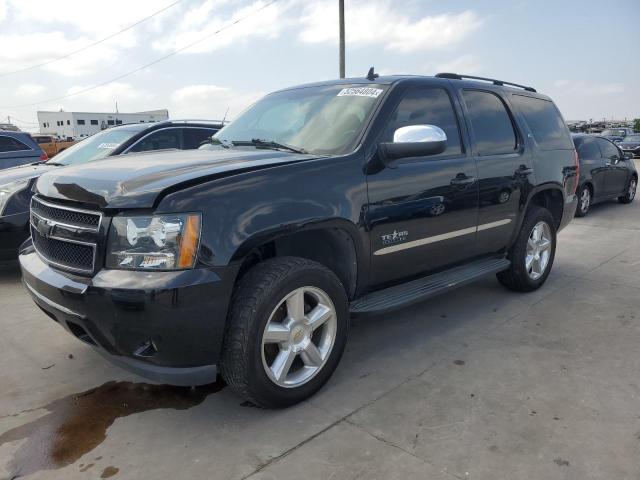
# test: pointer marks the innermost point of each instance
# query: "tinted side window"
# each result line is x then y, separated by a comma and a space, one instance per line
426, 107
160, 140
491, 123
609, 150
545, 122
193, 137
9, 144
588, 149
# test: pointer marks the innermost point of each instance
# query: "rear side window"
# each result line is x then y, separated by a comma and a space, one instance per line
193, 137
160, 140
588, 149
427, 107
545, 122
491, 123
10, 144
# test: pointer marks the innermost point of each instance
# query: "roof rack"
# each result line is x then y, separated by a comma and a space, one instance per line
456, 76
194, 120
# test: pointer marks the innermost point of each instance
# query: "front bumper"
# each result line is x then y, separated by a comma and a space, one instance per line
165, 326
14, 230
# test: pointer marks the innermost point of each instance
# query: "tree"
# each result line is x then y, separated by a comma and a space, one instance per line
636, 124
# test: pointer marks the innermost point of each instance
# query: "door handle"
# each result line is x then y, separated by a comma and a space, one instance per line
461, 180
524, 171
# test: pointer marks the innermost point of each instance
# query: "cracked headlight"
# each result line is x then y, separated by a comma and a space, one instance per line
158, 242
8, 189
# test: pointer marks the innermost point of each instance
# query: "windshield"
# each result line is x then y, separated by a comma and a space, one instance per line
95, 147
632, 138
611, 132
320, 120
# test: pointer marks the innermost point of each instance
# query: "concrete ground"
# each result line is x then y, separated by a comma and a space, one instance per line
481, 383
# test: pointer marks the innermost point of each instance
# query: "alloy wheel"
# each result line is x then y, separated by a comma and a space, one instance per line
538, 250
585, 200
633, 185
298, 337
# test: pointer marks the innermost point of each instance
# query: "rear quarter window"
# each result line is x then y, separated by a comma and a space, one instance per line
544, 120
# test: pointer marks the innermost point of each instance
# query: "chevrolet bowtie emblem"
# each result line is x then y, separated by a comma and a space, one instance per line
44, 227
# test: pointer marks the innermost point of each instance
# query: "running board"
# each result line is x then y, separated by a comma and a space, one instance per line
426, 287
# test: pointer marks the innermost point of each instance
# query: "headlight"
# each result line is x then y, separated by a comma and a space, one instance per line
159, 242
8, 189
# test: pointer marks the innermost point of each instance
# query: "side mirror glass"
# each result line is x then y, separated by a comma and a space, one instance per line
628, 155
414, 141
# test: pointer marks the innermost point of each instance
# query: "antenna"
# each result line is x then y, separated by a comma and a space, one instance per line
371, 75
225, 116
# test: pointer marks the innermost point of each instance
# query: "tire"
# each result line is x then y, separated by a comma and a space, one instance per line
518, 277
585, 198
631, 191
250, 353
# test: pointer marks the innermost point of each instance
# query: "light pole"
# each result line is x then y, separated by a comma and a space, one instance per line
341, 21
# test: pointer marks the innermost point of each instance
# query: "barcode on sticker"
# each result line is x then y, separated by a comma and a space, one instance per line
360, 92
110, 146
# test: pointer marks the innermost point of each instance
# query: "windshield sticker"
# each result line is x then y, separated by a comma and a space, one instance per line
110, 146
360, 92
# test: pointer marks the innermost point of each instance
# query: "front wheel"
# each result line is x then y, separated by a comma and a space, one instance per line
532, 253
631, 191
286, 331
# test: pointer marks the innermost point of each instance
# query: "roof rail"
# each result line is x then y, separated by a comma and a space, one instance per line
193, 120
456, 76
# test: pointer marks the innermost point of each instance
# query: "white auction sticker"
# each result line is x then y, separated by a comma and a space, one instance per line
110, 146
360, 92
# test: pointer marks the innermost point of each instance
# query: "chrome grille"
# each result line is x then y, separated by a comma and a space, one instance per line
65, 237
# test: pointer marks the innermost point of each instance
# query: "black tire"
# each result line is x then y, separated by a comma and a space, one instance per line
631, 194
517, 277
256, 296
581, 211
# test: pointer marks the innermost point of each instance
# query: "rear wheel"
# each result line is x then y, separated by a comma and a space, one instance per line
533, 252
631, 191
286, 331
584, 201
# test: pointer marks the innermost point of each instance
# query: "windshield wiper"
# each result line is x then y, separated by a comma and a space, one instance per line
55, 164
258, 142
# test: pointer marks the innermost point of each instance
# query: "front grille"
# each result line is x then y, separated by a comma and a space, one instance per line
65, 237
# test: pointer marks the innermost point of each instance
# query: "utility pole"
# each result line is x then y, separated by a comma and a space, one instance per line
341, 21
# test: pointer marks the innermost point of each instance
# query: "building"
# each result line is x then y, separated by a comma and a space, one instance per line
82, 124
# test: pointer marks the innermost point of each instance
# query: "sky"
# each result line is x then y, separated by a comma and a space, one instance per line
584, 54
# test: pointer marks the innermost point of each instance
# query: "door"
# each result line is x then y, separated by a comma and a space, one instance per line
592, 164
13, 152
503, 168
422, 210
616, 174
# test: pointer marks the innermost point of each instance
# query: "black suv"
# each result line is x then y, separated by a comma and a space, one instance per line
349, 196
16, 183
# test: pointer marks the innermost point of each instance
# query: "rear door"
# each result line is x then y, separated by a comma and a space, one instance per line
592, 164
616, 173
163, 139
195, 136
14, 152
422, 210
503, 166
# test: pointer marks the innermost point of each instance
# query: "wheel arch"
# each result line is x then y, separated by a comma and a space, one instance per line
549, 196
336, 244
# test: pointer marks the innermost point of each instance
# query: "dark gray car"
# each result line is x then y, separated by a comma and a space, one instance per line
18, 148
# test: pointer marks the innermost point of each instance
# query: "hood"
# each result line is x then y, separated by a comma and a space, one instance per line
24, 172
136, 181
624, 144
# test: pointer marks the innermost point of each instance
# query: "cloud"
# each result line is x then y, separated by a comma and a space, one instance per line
579, 87
29, 90
210, 101
3, 10
198, 23
103, 99
25, 50
466, 64
379, 23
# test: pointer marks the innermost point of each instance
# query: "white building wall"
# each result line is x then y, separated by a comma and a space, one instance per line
83, 124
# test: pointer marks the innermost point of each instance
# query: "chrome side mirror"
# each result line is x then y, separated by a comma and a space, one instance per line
414, 141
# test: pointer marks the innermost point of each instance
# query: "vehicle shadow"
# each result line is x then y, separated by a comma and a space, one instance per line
9, 272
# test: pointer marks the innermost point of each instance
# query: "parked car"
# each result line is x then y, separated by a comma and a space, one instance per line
16, 183
51, 144
606, 173
631, 144
18, 148
616, 134
247, 259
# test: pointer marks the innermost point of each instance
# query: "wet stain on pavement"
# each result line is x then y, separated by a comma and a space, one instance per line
78, 423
